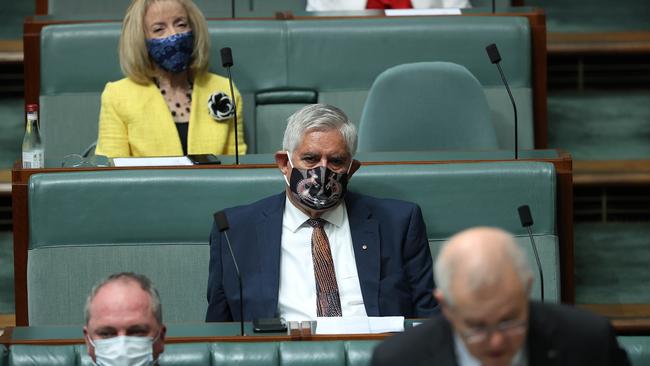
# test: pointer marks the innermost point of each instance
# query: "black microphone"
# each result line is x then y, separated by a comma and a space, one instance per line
493, 6
222, 223
495, 58
226, 61
232, 7
527, 221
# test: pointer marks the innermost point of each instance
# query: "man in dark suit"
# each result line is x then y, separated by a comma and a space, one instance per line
316, 249
483, 281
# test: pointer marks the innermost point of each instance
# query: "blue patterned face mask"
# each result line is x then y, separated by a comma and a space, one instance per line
172, 53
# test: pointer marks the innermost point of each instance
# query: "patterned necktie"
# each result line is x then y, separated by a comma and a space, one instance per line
328, 302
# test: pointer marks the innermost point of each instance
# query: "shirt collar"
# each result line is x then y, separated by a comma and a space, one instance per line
294, 218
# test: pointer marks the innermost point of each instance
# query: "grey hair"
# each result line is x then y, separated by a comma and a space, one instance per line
482, 274
320, 117
142, 280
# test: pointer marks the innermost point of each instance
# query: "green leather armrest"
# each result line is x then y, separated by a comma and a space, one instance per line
286, 96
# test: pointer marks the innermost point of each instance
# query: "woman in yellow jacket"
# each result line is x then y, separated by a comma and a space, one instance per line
169, 104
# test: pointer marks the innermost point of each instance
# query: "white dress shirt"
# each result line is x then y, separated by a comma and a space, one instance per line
325, 5
423, 4
297, 293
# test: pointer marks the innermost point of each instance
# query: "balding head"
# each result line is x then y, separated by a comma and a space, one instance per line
483, 281
124, 305
480, 258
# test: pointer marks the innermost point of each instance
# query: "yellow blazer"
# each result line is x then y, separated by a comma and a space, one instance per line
135, 121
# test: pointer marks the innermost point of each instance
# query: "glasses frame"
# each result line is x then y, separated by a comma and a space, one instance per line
509, 328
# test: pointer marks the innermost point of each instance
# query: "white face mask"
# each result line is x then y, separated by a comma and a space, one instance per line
123, 351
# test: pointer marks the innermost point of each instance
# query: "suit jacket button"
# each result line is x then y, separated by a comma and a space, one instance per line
364, 247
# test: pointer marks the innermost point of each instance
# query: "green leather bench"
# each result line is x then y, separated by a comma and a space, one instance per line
332, 353
326, 353
281, 65
85, 225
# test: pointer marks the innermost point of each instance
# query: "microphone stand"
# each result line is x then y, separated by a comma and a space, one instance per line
234, 101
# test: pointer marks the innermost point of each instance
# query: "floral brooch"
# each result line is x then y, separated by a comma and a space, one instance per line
220, 106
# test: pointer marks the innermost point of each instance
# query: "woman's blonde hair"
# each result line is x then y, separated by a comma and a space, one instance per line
134, 56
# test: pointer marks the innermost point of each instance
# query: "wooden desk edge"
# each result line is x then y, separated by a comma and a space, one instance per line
611, 172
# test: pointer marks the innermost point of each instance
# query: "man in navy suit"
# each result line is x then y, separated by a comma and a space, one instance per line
316, 249
486, 318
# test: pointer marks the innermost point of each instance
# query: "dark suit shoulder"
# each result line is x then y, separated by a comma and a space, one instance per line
568, 320
576, 336
430, 341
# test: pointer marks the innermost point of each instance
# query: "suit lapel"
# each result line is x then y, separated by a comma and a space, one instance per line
541, 348
365, 240
269, 236
444, 353
439, 346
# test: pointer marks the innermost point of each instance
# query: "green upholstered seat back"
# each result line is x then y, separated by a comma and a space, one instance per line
424, 106
281, 65
311, 353
307, 353
115, 9
638, 349
36, 355
157, 222
342, 58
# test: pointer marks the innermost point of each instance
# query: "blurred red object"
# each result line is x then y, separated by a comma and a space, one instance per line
389, 4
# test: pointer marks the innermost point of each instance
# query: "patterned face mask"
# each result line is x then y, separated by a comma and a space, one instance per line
318, 188
172, 53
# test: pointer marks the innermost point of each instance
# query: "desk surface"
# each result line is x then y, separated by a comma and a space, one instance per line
183, 333
399, 157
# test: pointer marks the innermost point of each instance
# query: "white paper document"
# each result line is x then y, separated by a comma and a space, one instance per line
359, 324
421, 12
158, 161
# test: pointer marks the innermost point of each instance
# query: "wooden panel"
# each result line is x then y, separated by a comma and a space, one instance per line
599, 43
539, 67
600, 173
32, 59
7, 320
627, 319
619, 311
21, 240
42, 7
11, 51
